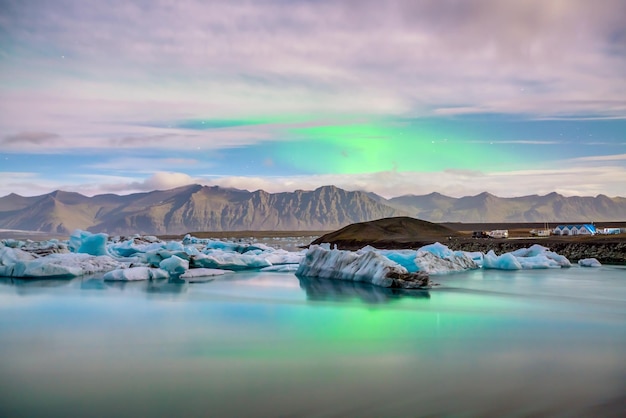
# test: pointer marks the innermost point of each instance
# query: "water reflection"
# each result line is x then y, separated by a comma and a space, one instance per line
481, 345
92, 283
343, 290
171, 286
35, 282
25, 287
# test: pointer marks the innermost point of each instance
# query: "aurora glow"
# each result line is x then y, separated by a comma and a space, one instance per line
512, 98
259, 344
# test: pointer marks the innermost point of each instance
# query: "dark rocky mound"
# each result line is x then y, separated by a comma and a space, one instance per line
397, 232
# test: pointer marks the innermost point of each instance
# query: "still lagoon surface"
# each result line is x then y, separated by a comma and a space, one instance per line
483, 343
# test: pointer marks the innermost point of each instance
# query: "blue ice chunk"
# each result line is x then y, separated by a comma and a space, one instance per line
504, 262
589, 262
174, 246
174, 265
539, 261
87, 243
405, 258
438, 249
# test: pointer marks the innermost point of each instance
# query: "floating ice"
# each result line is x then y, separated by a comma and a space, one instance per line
504, 262
61, 265
220, 259
282, 268
10, 256
589, 262
369, 266
88, 243
135, 273
198, 275
174, 265
283, 257
432, 264
225, 245
534, 257
432, 259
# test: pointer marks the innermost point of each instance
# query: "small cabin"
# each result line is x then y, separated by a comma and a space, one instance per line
578, 229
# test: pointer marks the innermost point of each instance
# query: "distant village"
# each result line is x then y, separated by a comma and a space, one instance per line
560, 230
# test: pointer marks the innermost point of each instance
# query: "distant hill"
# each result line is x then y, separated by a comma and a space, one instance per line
388, 232
203, 208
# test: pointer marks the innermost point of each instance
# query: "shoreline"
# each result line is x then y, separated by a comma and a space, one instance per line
606, 249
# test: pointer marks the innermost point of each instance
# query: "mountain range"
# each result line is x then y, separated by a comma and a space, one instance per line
204, 208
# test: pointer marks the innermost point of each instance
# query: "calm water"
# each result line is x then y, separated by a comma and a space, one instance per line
484, 343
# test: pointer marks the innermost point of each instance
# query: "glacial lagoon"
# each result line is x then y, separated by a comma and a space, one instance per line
483, 343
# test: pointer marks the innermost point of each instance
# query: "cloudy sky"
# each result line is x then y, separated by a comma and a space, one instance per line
394, 97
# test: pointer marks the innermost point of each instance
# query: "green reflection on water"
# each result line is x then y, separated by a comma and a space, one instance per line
270, 344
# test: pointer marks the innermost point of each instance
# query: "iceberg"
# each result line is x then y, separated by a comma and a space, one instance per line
11, 255
534, 257
503, 262
61, 265
225, 245
368, 266
135, 273
220, 259
280, 256
432, 264
432, 259
174, 265
88, 243
589, 262
282, 268
202, 275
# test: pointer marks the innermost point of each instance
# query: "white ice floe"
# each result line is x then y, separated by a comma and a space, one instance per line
10, 256
135, 273
174, 265
589, 262
220, 259
229, 246
282, 268
203, 275
534, 257
433, 264
280, 256
432, 259
60, 265
365, 266
503, 262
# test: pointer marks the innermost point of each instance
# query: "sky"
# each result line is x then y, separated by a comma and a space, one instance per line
395, 97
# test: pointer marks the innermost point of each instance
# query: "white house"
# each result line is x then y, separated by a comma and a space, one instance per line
578, 229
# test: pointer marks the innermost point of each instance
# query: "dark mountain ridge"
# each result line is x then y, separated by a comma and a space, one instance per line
203, 208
